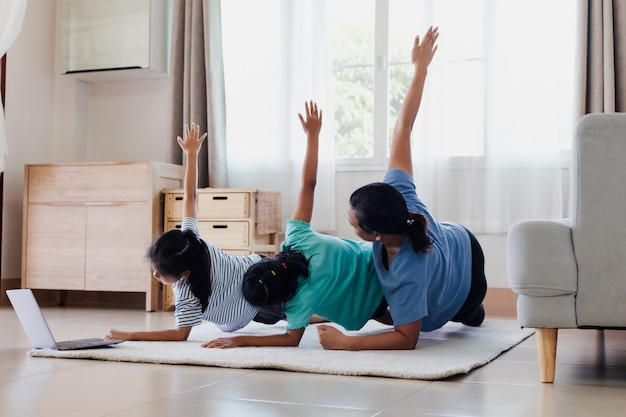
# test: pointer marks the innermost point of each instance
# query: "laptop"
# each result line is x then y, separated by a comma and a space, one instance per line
36, 327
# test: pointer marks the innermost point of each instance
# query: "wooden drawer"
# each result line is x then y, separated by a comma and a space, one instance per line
211, 205
77, 183
223, 234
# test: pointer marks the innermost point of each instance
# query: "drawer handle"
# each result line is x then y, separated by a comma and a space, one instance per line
178, 198
220, 197
220, 226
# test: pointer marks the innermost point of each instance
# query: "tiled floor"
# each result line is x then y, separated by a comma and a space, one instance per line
590, 381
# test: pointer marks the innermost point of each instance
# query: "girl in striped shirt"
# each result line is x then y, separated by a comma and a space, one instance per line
206, 281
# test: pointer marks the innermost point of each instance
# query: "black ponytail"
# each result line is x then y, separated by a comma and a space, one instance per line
417, 227
380, 207
274, 280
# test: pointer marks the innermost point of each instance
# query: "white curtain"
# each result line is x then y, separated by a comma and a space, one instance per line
491, 140
270, 71
527, 123
11, 17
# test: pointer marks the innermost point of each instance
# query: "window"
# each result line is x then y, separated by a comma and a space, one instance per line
355, 76
371, 51
494, 57
496, 116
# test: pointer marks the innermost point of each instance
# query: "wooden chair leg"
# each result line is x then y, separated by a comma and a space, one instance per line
546, 349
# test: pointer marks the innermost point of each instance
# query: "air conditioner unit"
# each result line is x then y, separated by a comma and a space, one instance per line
109, 40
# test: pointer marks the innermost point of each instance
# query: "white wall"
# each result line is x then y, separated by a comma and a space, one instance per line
55, 118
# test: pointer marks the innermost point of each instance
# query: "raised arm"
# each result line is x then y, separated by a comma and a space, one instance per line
191, 146
312, 124
421, 56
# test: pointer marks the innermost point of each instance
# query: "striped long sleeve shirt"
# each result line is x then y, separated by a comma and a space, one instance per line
227, 307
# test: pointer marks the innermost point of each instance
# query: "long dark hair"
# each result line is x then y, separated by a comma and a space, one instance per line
381, 208
178, 251
274, 280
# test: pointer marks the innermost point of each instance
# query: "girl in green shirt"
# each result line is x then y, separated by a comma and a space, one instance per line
315, 275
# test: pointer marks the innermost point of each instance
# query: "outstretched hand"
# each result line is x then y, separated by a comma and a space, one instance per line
424, 51
116, 334
312, 119
222, 343
191, 143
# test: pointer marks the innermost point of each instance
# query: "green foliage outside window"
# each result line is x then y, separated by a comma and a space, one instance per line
354, 92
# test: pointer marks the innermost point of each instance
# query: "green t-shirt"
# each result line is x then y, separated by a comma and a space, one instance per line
342, 286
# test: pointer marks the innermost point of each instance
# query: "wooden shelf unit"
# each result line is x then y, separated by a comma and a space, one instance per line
87, 226
241, 221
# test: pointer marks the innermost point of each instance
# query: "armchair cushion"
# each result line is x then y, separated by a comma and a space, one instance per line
541, 258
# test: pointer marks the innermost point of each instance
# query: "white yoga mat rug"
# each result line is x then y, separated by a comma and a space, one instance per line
453, 349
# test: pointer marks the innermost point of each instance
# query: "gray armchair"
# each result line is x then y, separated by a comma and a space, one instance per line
571, 273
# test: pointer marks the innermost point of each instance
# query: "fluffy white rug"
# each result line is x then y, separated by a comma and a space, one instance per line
451, 350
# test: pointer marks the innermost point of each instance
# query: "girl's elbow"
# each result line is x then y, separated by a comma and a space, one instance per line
182, 334
292, 339
293, 342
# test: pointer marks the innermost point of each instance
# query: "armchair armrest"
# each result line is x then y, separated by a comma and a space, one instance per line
540, 258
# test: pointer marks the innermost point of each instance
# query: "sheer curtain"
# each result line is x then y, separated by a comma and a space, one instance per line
11, 18
491, 140
270, 71
526, 91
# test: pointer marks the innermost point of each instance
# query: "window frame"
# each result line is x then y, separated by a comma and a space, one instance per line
381, 128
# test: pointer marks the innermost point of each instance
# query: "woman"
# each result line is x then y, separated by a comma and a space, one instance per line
430, 272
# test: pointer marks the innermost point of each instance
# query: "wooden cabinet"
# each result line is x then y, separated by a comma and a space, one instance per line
237, 220
87, 226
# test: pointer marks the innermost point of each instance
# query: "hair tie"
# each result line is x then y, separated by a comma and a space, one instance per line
183, 250
267, 292
410, 220
273, 272
284, 266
